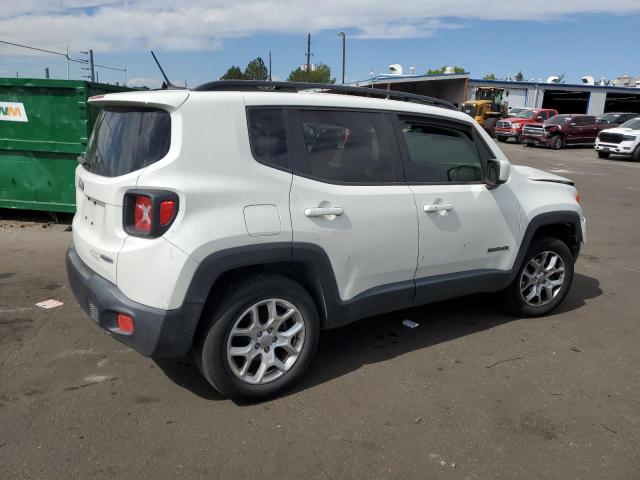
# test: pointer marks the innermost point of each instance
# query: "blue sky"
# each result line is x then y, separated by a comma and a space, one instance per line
536, 38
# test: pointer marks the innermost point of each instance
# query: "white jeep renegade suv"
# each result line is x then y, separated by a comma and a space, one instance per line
237, 220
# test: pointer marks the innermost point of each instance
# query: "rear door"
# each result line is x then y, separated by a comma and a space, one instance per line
125, 139
463, 226
348, 198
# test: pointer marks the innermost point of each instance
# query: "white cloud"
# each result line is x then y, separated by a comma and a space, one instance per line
115, 25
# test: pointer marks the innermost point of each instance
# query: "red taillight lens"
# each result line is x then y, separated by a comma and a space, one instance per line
125, 323
167, 208
143, 215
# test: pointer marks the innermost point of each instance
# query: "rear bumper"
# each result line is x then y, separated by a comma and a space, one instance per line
157, 332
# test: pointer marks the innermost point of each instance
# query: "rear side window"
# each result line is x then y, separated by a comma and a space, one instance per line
268, 136
346, 147
438, 154
126, 139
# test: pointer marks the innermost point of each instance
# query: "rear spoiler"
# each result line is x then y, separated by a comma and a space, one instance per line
168, 100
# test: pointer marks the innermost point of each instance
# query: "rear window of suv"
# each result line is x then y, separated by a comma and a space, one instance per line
126, 139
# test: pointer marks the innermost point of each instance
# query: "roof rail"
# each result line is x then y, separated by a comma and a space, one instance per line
266, 86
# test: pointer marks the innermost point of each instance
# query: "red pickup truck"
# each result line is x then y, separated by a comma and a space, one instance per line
565, 129
511, 127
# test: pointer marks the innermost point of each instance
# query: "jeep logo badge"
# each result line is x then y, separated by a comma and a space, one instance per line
81, 184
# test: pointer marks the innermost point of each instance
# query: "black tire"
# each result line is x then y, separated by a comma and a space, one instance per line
519, 139
490, 126
515, 298
502, 139
556, 142
603, 154
635, 156
529, 144
211, 347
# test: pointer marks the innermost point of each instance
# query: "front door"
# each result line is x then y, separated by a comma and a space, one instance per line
464, 228
348, 199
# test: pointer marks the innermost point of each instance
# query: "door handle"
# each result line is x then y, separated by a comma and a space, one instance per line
322, 211
438, 207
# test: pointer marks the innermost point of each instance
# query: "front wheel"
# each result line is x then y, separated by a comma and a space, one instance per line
603, 154
260, 338
556, 142
635, 156
502, 139
520, 138
543, 280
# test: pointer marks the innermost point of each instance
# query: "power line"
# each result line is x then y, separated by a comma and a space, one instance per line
70, 59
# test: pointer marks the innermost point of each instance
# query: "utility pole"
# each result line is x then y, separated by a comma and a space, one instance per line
269, 65
46, 72
91, 66
67, 57
343, 35
308, 56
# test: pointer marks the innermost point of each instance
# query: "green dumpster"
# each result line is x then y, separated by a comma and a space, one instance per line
44, 127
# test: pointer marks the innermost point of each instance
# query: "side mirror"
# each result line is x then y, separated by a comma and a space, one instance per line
540, 118
573, 124
497, 173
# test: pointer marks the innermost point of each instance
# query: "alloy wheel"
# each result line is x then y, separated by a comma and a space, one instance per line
542, 279
266, 341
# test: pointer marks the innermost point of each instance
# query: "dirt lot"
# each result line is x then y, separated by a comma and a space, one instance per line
471, 393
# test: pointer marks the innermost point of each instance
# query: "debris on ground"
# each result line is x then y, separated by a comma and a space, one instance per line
410, 323
47, 304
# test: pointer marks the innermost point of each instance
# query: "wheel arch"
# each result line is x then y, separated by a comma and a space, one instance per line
307, 265
563, 225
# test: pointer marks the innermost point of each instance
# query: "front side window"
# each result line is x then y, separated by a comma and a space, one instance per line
346, 147
439, 154
268, 136
125, 139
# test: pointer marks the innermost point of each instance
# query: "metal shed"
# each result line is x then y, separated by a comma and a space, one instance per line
564, 97
450, 87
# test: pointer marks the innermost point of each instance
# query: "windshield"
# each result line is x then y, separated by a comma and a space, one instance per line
559, 120
609, 118
525, 114
515, 110
126, 139
633, 124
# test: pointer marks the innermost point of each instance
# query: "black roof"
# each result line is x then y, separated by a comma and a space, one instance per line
267, 86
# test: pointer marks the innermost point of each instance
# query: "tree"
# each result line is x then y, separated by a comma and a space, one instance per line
256, 70
519, 76
489, 76
440, 71
321, 74
234, 73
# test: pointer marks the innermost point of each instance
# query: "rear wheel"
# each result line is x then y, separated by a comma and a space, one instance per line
543, 279
635, 156
603, 154
260, 338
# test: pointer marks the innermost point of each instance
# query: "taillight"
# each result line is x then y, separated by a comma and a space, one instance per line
143, 213
149, 213
167, 208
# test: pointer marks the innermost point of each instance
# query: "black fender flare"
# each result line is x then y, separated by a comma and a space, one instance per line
560, 217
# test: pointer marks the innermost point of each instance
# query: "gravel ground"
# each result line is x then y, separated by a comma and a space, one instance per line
471, 393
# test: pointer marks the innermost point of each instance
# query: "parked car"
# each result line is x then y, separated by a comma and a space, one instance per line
616, 118
623, 140
562, 130
236, 222
512, 127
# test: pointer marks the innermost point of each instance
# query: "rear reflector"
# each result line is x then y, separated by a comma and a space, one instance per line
167, 208
143, 214
125, 323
